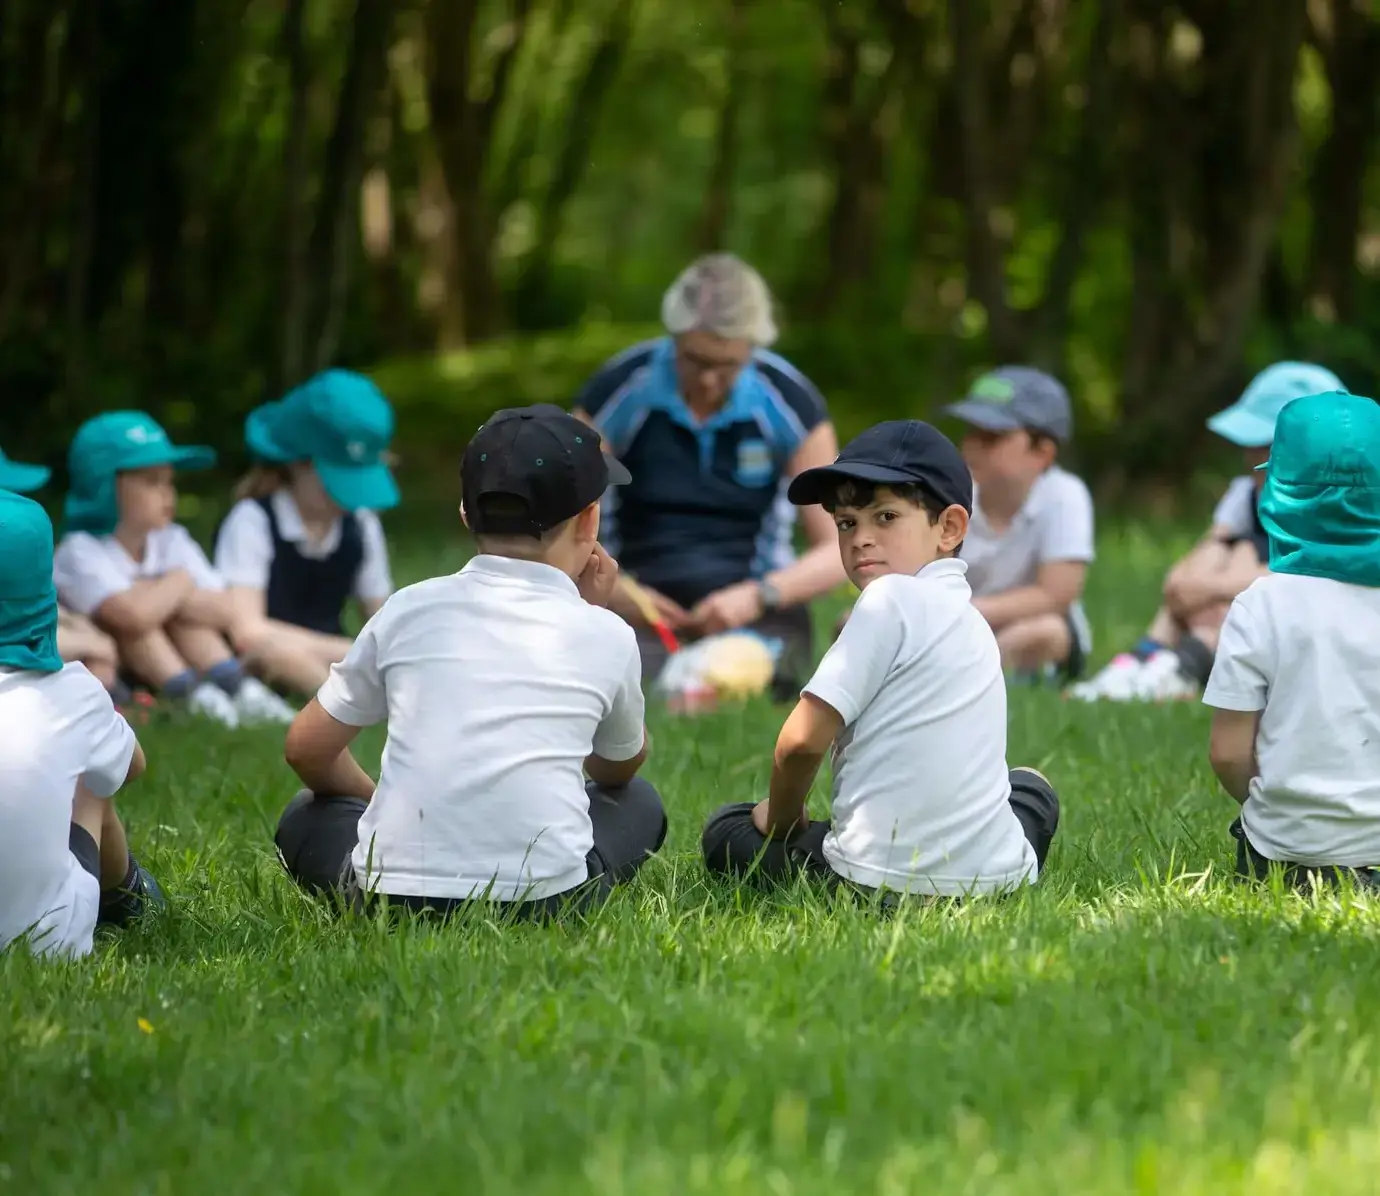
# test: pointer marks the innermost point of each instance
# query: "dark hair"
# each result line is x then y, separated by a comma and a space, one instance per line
850, 492
1038, 438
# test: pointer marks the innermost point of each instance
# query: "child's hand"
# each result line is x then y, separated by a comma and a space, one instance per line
598, 578
761, 819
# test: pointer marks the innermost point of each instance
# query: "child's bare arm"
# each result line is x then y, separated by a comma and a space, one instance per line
1057, 586
613, 774
318, 751
1231, 750
800, 748
146, 604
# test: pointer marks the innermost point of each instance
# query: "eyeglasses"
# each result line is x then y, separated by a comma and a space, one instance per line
697, 365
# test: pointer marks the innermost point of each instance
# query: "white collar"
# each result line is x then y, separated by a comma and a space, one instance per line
290, 525
949, 566
535, 573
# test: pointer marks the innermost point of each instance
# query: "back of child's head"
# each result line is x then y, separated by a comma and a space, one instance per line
28, 600
527, 474
1320, 504
340, 423
108, 445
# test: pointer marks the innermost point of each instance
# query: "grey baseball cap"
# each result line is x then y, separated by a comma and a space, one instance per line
1016, 396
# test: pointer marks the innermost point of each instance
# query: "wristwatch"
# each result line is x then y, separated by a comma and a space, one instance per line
769, 594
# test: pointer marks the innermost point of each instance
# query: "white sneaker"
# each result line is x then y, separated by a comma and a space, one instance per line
256, 703
214, 703
1117, 682
1160, 680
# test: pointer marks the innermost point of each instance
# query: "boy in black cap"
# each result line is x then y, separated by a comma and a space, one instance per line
498, 684
910, 698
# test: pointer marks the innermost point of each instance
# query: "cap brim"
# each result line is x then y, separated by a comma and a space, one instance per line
20, 479
1242, 428
618, 472
983, 415
808, 488
194, 456
359, 487
258, 440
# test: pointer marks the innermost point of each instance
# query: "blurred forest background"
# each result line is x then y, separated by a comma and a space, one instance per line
204, 201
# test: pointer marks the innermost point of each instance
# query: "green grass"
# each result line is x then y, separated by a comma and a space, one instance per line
1135, 1024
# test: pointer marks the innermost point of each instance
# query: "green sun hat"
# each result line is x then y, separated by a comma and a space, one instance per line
19, 478
1250, 421
110, 444
1320, 504
28, 600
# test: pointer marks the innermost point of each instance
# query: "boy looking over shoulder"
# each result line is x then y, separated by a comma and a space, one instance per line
910, 699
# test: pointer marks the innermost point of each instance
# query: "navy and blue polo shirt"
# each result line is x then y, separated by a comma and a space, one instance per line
707, 503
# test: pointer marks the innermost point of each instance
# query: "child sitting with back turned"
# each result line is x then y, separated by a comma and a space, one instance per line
1174, 657
910, 697
1296, 683
497, 685
303, 539
78, 639
65, 866
1030, 540
141, 577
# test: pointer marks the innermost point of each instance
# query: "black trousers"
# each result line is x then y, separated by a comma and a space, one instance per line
733, 845
317, 834
1251, 865
791, 625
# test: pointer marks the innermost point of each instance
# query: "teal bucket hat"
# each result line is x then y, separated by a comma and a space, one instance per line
1250, 421
341, 423
28, 601
110, 444
19, 478
1320, 504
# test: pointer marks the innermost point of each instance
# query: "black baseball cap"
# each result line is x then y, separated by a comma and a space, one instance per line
896, 452
544, 457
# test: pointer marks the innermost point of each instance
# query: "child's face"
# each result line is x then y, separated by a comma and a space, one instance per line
894, 535
1006, 458
147, 497
310, 495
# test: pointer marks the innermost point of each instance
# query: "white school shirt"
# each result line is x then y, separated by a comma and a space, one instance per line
496, 683
244, 546
1235, 510
921, 786
89, 569
1055, 523
55, 729
1305, 652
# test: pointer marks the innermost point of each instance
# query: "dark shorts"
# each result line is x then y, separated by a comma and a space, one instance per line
733, 845
792, 625
1251, 865
316, 836
84, 847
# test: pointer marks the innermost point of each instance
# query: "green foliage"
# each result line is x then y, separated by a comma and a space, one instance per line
1137, 1023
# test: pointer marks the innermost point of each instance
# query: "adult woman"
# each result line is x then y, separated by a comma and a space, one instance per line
713, 427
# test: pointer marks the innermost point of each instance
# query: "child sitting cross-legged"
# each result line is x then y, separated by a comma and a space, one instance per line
502, 686
1295, 686
910, 699
140, 577
65, 866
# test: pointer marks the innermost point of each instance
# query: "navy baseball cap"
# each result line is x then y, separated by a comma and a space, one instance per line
896, 452
550, 462
1017, 396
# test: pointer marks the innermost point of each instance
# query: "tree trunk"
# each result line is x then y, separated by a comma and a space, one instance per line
294, 259
331, 247
463, 128
718, 193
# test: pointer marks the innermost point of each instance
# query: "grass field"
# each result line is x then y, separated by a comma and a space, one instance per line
1135, 1024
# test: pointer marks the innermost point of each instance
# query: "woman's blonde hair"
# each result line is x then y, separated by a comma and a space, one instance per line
261, 481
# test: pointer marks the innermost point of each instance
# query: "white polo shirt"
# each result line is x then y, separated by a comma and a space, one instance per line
496, 683
921, 786
1235, 510
89, 569
1305, 652
55, 729
1055, 523
244, 546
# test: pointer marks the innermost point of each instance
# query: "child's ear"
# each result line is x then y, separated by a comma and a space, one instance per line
465, 519
587, 522
953, 527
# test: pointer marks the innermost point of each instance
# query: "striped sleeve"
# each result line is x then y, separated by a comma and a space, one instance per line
799, 400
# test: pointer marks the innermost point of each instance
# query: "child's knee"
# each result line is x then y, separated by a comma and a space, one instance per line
1030, 643
721, 841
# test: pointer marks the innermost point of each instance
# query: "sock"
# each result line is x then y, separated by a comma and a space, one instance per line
227, 675
181, 685
1146, 649
1195, 659
120, 693
124, 902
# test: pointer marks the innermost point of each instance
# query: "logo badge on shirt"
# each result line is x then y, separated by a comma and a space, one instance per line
755, 464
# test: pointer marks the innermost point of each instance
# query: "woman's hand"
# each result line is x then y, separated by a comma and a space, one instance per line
728, 609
